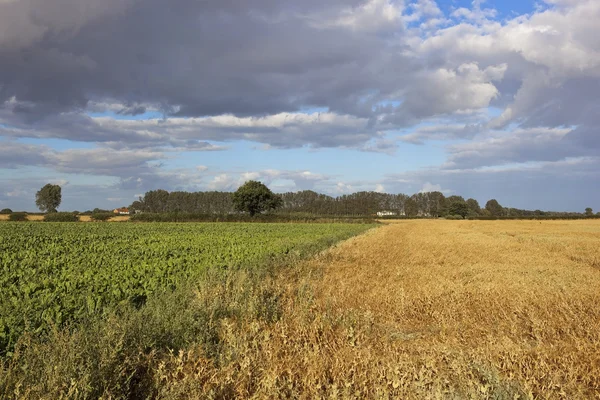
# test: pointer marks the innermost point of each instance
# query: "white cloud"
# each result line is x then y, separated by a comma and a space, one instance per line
372, 15
343, 188
428, 187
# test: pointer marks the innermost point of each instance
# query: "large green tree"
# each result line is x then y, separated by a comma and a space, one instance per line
48, 198
458, 208
589, 212
411, 207
254, 197
494, 208
474, 208
437, 202
155, 201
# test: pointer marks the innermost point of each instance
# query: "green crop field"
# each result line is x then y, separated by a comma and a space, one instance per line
55, 274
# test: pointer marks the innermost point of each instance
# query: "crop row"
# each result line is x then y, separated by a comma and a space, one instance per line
52, 274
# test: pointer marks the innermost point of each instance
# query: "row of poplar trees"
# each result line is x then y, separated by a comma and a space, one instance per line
430, 204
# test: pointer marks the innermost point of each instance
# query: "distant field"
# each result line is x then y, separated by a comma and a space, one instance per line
51, 273
5, 217
82, 218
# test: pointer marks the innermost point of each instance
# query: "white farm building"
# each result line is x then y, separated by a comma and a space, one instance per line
386, 213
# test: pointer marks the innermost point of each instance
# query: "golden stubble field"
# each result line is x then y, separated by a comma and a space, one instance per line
421, 309
82, 218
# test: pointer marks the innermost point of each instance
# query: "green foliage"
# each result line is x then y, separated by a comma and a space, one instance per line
454, 217
589, 212
156, 201
110, 357
411, 207
48, 198
436, 203
61, 217
137, 205
18, 217
474, 208
57, 274
270, 218
6, 211
494, 208
102, 216
459, 208
254, 197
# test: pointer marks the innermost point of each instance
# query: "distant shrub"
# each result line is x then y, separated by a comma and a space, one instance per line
18, 217
61, 217
102, 216
6, 211
454, 217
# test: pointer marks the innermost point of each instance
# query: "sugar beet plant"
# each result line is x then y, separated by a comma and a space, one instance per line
56, 274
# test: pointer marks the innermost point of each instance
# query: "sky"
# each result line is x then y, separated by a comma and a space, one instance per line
484, 99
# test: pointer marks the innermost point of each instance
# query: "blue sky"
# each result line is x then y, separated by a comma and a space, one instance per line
506, 9
485, 99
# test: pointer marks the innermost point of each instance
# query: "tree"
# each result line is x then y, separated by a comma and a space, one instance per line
494, 208
474, 208
254, 197
458, 208
155, 201
449, 201
136, 206
589, 212
411, 207
48, 198
437, 201
6, 211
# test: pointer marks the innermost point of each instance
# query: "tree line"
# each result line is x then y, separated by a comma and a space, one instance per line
365, 203
254, 197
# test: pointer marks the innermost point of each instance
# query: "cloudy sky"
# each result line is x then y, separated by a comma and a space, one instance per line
486, 99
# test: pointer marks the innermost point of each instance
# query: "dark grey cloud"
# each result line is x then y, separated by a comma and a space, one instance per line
200, 57
518, 146
15, 155
449, 131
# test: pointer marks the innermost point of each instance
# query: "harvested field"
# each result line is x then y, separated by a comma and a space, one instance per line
118, 218
5, 217
82, 218
424, 309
